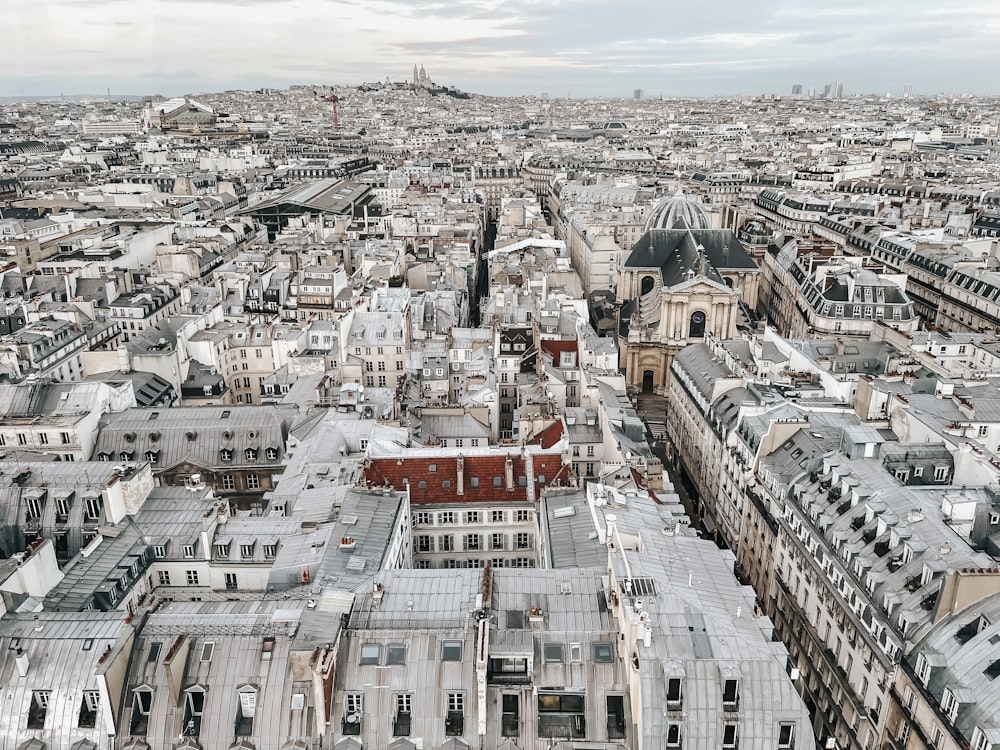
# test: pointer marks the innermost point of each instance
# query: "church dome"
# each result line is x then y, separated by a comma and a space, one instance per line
676, 212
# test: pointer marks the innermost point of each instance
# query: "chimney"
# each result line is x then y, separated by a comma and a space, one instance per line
460, 483
609, 533
509, 473
21, 660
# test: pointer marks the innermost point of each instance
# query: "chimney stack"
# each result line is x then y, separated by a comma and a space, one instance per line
509, 473
21, 660
460, 483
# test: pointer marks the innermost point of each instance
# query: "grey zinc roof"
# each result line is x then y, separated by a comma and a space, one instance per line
571, 540
237, 630
703, 626
63, 651
197, 434
964, 662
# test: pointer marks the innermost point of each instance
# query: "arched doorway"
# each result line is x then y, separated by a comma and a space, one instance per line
648, 379
696, 329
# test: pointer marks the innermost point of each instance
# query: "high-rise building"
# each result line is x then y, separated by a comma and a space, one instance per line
907, 90
797, 89
637, 94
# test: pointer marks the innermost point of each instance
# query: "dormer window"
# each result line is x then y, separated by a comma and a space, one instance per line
194, 707
152, 456
251, 454
226, 454
126, 455
142, 702
271, 454
246, 710
730, 695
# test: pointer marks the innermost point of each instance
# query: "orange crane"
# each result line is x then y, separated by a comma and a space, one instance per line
333, 99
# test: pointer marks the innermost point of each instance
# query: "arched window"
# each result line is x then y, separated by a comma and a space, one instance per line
697, 328
646, 285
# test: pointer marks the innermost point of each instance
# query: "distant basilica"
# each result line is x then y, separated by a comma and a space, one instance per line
420, 78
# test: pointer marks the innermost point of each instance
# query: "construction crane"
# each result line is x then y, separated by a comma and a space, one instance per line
333, 99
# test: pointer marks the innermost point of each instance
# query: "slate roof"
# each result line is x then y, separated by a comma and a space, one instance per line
198, 434
676, 252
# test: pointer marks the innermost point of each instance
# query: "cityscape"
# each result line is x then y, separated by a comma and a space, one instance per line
394, 414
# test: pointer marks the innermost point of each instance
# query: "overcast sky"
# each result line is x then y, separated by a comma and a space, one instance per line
580, 47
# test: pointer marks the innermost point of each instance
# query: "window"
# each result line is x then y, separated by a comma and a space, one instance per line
395, 654
142, 701
730, 736
43, 438
472, 516
422, 517
940, 473
163, 576
497, 541
154, 652
562, 715
245, 713
207, 649
786, 736
352, 714
523, 540
454, 724
425, 543
673, 735
510, 718
451, 651
271, 454
446, 517
553, 653
474, 483
251, 454
226, 455
38, 708
246, 551
94, 506
404, 711
615, 705
730, 695
447, 543
88, 709
253, 481
675, 693
603, 652
192, 577
370, 653
231, 584
522, 516
189, 550
159, 551
222, 549
979, 740
270, 550
472, 542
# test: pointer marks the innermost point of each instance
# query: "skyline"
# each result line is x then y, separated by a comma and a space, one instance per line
581, 48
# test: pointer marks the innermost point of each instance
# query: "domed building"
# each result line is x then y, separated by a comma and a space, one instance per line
677, 286
676, 212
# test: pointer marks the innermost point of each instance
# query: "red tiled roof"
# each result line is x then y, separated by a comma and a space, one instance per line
549, 436
555, 349
427, 486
